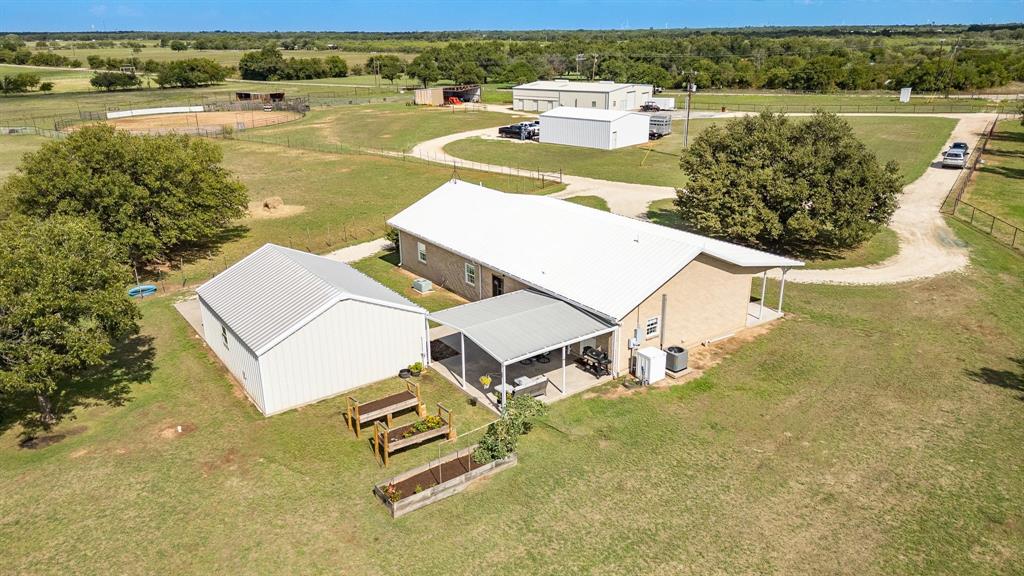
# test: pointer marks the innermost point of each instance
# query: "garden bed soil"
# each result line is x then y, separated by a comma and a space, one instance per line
437, 474
374, 405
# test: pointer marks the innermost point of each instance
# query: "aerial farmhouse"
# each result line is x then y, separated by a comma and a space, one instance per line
614, 283
544, 95
294, 328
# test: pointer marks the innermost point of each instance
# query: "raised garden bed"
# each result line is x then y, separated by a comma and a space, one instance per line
436, 480
358, 413
388, 440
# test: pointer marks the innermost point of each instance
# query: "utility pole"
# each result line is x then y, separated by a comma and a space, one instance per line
690, 88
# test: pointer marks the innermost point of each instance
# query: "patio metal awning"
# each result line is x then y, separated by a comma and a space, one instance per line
521, 324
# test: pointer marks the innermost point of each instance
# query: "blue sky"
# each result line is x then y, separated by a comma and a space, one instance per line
403, 15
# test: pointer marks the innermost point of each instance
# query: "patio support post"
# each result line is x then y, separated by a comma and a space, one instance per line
462, 355
782, 289
764, 286
563, 369
503, 391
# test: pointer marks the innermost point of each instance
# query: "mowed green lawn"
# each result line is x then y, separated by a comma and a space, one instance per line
913, 142
387, 126
998, 186
875, 431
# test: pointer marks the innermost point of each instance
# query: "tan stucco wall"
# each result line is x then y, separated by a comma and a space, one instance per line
447, 269
706, 299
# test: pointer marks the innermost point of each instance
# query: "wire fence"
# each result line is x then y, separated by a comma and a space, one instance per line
725, 106
955, 206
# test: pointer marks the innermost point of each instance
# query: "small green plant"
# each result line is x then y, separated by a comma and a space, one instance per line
421, 426
393, 494
416, 367
499, 441
418, 489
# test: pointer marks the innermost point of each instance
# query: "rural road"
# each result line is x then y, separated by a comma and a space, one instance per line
927, 246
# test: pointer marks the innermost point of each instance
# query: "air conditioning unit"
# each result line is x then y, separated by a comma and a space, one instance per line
422, 285
650, 365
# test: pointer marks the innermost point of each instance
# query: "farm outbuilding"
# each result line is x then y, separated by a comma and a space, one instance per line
544, 95
294, 328
444, 95
593, 128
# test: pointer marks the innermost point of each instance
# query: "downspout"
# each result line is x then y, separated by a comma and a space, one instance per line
661, 328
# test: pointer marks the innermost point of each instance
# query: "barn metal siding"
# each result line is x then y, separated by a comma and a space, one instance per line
237, 357
629, 130
351, 344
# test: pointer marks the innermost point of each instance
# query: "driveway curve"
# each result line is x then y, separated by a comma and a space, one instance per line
927, 246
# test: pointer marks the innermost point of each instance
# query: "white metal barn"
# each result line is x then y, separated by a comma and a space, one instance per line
594, 128
295, 328
544, 95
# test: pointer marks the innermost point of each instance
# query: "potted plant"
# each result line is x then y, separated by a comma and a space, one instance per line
416, 368
485, 381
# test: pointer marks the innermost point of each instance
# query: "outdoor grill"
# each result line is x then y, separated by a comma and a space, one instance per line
595, 361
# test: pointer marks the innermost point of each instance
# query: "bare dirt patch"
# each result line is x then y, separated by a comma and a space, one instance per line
207, 121
701, 359
177, 430
273, 207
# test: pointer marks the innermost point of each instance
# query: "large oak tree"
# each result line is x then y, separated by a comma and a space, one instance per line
63, 308
803, 186
155, 194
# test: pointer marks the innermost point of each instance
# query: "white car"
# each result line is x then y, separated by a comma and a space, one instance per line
954, 159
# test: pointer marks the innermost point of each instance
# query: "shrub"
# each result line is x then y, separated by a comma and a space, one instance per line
502, 436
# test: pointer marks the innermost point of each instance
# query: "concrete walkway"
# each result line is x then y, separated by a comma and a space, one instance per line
358, 251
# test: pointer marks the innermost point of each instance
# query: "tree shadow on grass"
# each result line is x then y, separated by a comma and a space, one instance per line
391, 257
191, 253
1007, 136
1009, 379
130, 363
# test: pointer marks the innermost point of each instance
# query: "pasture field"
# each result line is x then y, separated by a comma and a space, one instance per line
389, 126
595, 202
836, 102
997, 187
64, 80
844, 439
911, 141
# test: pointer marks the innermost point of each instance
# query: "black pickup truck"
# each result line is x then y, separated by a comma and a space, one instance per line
521, 131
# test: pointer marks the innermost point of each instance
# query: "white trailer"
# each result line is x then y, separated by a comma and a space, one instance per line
664, 103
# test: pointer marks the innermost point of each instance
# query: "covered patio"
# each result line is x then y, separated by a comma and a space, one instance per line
526, 342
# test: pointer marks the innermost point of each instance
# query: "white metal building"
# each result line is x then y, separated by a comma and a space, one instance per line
295, 328
544, 95
594, 128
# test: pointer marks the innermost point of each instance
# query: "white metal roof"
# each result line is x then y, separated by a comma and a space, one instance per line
600, 261
570, 86
520, 324
599, 114
274, 291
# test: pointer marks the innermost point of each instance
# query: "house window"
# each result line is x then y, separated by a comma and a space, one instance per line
653, 327
224, 335
421, 252
593, 103
470, 274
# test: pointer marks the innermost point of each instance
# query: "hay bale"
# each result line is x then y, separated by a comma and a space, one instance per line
272, 203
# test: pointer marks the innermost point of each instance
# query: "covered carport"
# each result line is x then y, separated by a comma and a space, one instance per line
516, 329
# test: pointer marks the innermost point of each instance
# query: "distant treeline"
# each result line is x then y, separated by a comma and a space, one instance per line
927, 58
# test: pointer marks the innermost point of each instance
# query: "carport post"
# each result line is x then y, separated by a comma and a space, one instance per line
563, 370
462, 353
503, 392
764, 286
782, 289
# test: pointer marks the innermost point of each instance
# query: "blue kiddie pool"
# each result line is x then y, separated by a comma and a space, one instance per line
142, 290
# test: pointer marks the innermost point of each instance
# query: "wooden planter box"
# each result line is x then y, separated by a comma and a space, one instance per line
414, 501
387, 440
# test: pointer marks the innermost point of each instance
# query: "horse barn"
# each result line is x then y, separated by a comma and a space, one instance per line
594, 127
545, 95
445, 95
259, 96
294, 328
